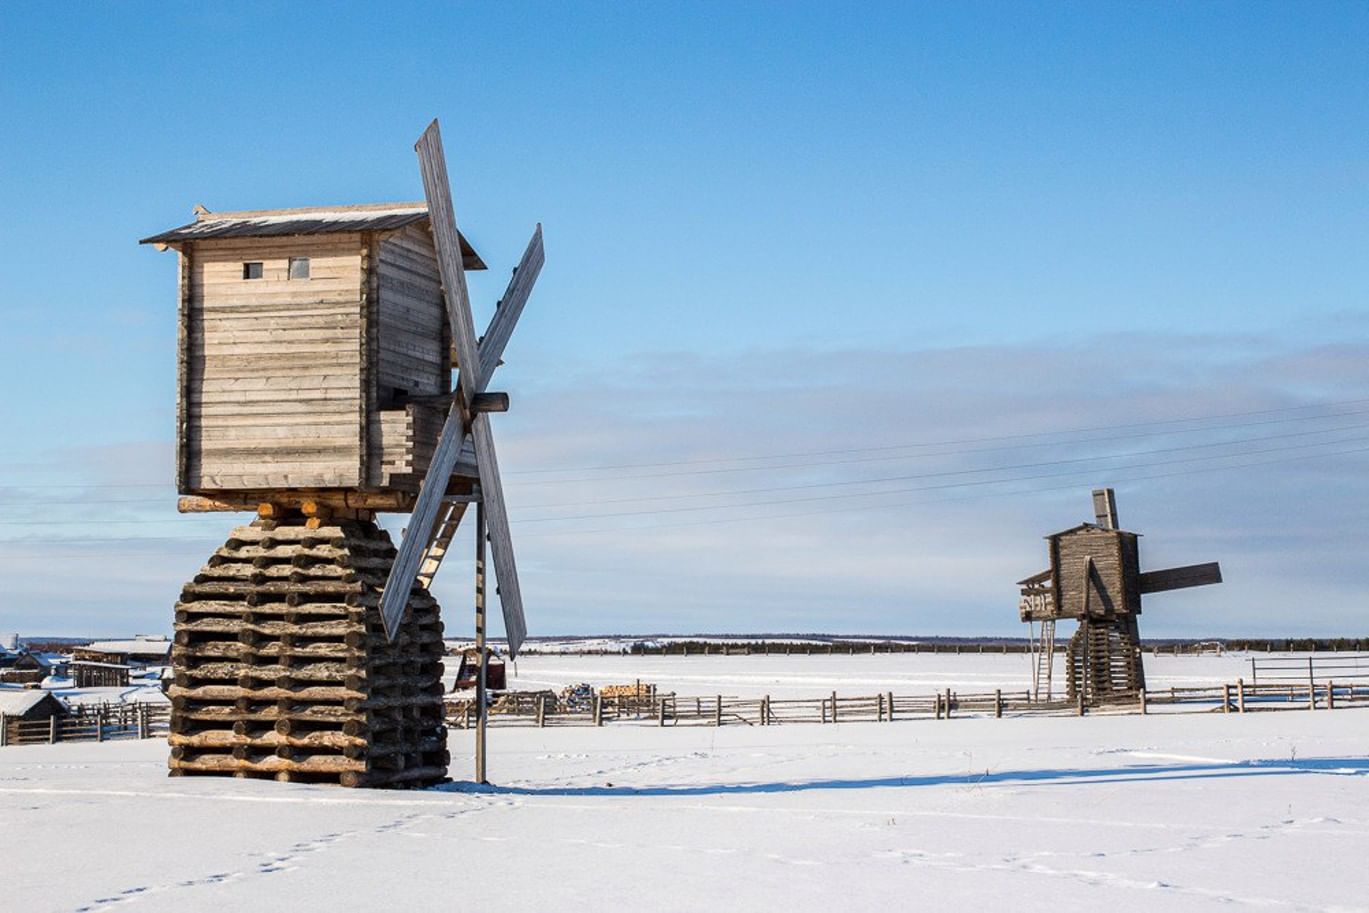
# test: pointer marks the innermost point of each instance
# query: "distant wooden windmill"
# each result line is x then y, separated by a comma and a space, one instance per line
315, 388
1095, 578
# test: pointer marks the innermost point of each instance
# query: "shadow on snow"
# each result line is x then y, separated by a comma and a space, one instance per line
1063, 776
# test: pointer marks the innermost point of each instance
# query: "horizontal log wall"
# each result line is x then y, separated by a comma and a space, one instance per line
272, 396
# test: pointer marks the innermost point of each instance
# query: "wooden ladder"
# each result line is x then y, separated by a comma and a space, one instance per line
1045, 660
444, 530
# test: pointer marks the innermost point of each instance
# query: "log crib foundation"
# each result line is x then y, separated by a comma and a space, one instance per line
282, 668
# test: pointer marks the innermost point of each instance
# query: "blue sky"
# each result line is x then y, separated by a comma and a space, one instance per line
771, 229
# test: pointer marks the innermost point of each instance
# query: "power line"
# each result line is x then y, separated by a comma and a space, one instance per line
884, 448
928, 475
973, 497
980, 440
792, 514
810, 465
671, 510
834, 484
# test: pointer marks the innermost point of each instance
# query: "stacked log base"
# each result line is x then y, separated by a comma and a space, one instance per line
1104, 659
282, 667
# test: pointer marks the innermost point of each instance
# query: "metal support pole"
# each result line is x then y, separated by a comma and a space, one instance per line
481, 712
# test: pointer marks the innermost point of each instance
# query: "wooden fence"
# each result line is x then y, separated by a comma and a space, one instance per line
90, 723
660, 709
103, 722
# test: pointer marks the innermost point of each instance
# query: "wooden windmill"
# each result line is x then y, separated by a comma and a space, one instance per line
1095, 578
315, 388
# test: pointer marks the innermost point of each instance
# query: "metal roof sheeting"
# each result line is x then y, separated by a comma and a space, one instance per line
273, 223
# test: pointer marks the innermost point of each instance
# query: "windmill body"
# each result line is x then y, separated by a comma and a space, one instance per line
315, 387
1095, 578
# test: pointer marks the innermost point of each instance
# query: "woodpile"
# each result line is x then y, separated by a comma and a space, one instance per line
282, 668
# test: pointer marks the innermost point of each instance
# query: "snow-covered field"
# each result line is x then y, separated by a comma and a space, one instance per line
1166, 812
815, 676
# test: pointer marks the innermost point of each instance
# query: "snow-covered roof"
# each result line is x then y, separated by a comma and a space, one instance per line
17, 702
316, 220
138, 647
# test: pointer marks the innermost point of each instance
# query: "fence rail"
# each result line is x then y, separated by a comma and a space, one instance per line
90, 723
107, 722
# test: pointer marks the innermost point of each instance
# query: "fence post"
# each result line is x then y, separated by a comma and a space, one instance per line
99, 728
879, 708
660, 712
598, 710
718, 712
1141, 695
890, 716
1330, 695
936, 696
1311, 686
52, 730
998, 703
834, 706
948, 696
4, 730
1240, 695
1080, 702
541, 711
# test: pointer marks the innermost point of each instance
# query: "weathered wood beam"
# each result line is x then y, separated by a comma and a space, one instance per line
341, 500
483, 402
1179, 578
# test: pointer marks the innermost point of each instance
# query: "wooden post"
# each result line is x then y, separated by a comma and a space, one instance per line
998, 703
541, 711
4, 730
834, 706
1080, 706
1226, 698
718, 712
52, 730
936, 699
598, 710
948, 694
889, 717
1311, 686
660, 712
879, 710
482, 714
1141, 695
1330, 695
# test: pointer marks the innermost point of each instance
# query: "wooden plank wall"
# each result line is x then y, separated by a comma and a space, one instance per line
413, 355
1104, 546
413, 358
273, 365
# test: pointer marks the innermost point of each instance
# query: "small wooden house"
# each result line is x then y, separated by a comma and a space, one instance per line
314, 351
1095, 572
30, 704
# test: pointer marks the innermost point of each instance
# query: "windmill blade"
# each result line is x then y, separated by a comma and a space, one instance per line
394, 598
432, 163
510, 308
501, 543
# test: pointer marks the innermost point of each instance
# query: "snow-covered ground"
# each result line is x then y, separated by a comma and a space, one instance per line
815, 676
1165, 812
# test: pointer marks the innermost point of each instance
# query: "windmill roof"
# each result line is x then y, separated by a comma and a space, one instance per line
1081, 526
313, 220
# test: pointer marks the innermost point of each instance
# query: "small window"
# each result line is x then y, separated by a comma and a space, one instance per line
299, 267
251, 270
